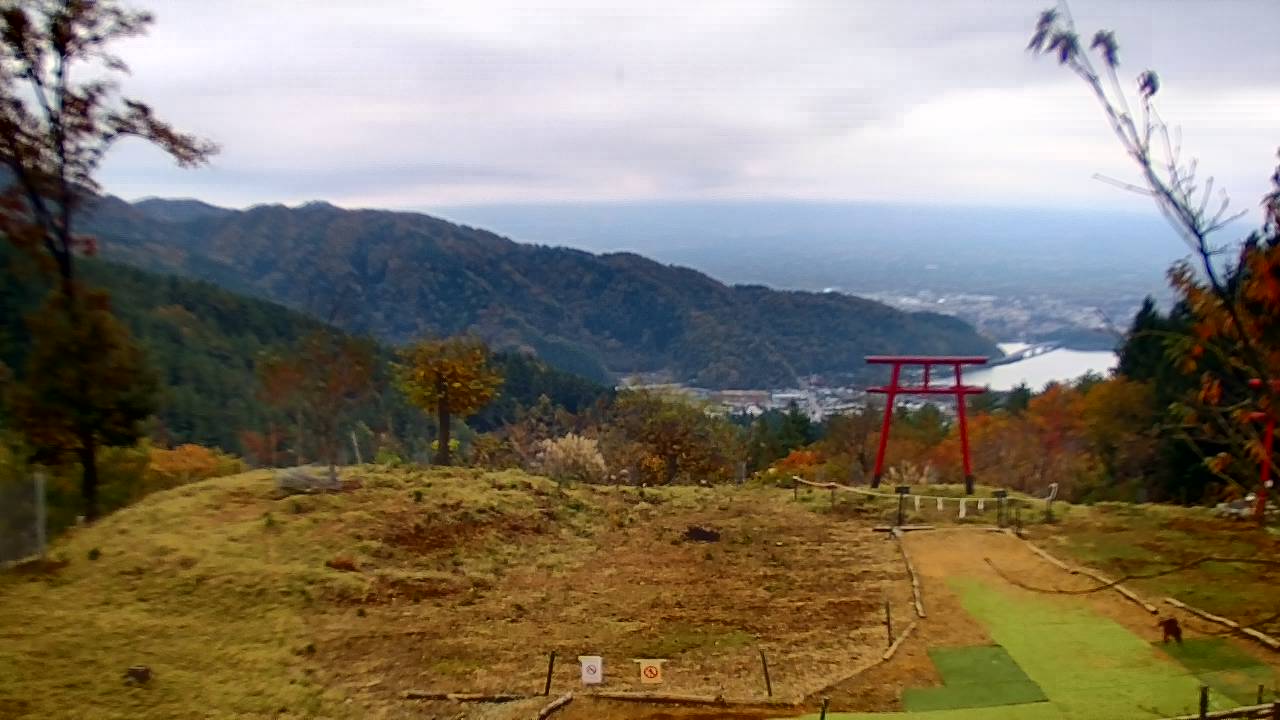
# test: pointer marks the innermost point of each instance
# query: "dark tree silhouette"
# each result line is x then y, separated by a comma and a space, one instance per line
55, 130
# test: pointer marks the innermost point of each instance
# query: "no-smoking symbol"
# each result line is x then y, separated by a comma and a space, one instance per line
592, 669
650, 671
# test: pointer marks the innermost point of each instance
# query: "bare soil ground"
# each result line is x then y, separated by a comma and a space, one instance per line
807, 590
248, 605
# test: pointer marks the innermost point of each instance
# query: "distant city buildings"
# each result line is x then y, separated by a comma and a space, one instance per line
815, 400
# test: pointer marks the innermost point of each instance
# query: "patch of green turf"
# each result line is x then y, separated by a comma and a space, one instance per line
1091, 668
974, 677
1223, 667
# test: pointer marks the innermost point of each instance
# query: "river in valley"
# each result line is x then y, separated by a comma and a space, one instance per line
1054, 366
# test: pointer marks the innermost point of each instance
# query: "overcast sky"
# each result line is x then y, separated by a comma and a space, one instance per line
424, 104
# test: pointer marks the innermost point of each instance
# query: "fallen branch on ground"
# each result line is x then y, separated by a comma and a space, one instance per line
670, 699
911, 571
1159, 573
885, 656
555, 705
1106, 585
1261, 637
465, 697
1249, 711
898, 643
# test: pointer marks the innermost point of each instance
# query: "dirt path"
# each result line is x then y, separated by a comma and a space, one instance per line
990, 557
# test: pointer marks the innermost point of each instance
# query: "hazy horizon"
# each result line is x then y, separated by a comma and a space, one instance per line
500, 101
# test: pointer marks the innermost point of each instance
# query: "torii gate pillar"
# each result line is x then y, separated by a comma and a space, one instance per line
896, 388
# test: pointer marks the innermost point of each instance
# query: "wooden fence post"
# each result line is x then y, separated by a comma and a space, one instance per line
356, 446
551, 665
41, 521
768, 684
888, 620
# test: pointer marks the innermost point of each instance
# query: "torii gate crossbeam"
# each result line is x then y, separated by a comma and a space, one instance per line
895, 388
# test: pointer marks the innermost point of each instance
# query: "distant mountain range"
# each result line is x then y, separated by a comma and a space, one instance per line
1042, 257
399, 275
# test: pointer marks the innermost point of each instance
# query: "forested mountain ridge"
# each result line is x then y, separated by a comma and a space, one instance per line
398, 275
204, 343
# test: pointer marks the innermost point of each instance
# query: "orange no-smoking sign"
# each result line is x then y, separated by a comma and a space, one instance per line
650, 671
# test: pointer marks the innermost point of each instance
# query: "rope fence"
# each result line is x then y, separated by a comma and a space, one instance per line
917, 505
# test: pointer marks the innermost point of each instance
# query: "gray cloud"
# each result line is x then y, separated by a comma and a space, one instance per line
419, 103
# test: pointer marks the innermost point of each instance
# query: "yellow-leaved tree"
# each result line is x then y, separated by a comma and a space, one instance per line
449, 377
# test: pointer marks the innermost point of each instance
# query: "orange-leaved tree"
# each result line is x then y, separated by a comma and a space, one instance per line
319, 383
450, 377
1234, 340
1232, 307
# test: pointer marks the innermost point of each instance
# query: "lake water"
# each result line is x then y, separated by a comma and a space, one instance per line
1054, 366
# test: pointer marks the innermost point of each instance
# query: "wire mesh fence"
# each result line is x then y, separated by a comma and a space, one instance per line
22, 517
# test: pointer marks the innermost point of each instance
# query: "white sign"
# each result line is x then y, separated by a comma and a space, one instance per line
592, 669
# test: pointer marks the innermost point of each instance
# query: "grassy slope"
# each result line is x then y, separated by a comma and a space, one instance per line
211, 585
160, 596
1122, 539
224, 592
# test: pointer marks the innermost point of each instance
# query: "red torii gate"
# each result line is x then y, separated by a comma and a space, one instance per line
894, 389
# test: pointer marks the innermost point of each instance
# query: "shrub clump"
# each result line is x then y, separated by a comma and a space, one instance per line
572, 458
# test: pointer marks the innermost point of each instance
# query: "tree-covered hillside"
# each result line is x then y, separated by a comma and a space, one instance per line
203, 342
401, 275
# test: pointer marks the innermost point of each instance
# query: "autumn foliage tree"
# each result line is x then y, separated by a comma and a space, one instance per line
280, 381
1233, 337
448, 377
1231, 341
665, 437
55, 130
319, 383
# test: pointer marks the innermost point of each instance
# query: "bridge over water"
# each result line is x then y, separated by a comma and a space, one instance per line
1027, 352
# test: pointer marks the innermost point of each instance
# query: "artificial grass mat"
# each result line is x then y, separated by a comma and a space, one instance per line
973, 677
1089, 667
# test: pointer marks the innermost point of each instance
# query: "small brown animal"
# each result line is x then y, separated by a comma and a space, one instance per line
1171, 629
